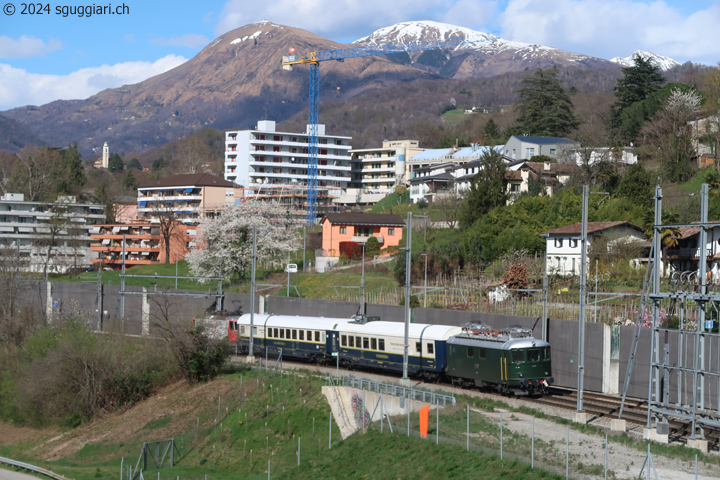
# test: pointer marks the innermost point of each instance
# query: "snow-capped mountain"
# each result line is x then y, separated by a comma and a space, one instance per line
485, 54
664, 63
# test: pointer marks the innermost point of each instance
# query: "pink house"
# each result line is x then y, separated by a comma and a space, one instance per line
359, 227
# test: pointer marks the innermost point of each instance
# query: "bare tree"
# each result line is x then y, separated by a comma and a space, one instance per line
169, 224
32, 172
52, 232
447, 202
193, 153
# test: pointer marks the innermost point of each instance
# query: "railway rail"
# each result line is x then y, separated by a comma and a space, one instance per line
600, 406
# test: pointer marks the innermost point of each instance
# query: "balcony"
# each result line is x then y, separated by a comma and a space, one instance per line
363, 239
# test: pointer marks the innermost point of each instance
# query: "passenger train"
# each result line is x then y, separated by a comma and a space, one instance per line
509, 360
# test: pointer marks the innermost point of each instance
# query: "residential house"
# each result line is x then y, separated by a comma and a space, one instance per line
562, 247
526, 147
432, 180
359, 227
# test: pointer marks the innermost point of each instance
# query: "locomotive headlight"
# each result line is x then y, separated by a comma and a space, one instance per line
521, 375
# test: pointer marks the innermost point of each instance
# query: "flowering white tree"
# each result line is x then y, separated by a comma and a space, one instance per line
228, 237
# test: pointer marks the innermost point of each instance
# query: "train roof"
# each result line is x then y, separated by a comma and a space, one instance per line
397, 329
293, 321
511, 344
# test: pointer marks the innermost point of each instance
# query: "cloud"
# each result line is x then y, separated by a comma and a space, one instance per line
347, 20
27, 46
129, 37
19, 87
609, 28
189, 41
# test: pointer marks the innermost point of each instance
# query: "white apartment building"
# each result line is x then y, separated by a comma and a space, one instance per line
33, 233
379, 170
265, 156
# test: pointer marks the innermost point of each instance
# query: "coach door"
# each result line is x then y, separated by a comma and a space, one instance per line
332, 343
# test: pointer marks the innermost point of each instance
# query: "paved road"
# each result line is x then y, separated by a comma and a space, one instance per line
11, 475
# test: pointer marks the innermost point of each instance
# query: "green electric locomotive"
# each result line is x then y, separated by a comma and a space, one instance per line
509, 360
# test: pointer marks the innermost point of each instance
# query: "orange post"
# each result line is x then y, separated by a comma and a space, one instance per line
424, 419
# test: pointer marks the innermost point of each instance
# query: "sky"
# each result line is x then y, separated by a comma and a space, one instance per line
57, 51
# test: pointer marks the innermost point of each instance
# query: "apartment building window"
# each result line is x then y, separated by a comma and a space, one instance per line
293, 171
294, 139
323, 141
390, 165
323, 152
558, 243
343, 230
277, 138
277, 159
338, 142
376, 165
261, 137
529, 152
276, 149
552, 151
293, 150
260, 148
260, 159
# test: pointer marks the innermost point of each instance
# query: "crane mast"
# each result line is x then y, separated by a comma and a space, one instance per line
314, 59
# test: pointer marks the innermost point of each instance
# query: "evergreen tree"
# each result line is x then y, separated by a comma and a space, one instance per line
134, 163
491, 133
487, 190
158, 164
69, 173
130, 182
545, 107
636, 185
637, 84
115, 163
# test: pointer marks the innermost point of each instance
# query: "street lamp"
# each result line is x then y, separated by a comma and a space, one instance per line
425, 299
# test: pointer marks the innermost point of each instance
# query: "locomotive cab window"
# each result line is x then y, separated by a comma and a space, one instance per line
534, 355
470, 352
381, 344
546, 353
430, 348
518, 356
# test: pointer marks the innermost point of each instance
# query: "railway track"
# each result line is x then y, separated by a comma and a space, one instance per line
599, 405
634, 412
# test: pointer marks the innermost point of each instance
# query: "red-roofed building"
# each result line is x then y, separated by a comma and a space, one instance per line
359, 227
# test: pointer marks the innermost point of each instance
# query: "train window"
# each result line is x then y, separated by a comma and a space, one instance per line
294, 334
233, 326
254, 331
351, 341
287, 333
322, 337
358, 342
317, 336
470, 352
518, 356
373, 343
381, 344
343, 339
309, 336
302, 334
546, 353
366, 343
418, 347
534, 355
430, 348
481, 353
242, 330
282, 333
270, 332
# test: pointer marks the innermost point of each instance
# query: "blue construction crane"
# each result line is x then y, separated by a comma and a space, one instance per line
314, 59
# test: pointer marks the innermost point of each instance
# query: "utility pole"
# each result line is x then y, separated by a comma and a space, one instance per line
122, 283
425, 290
362, 283
408, 259
252, 292
579, 414
100, 299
